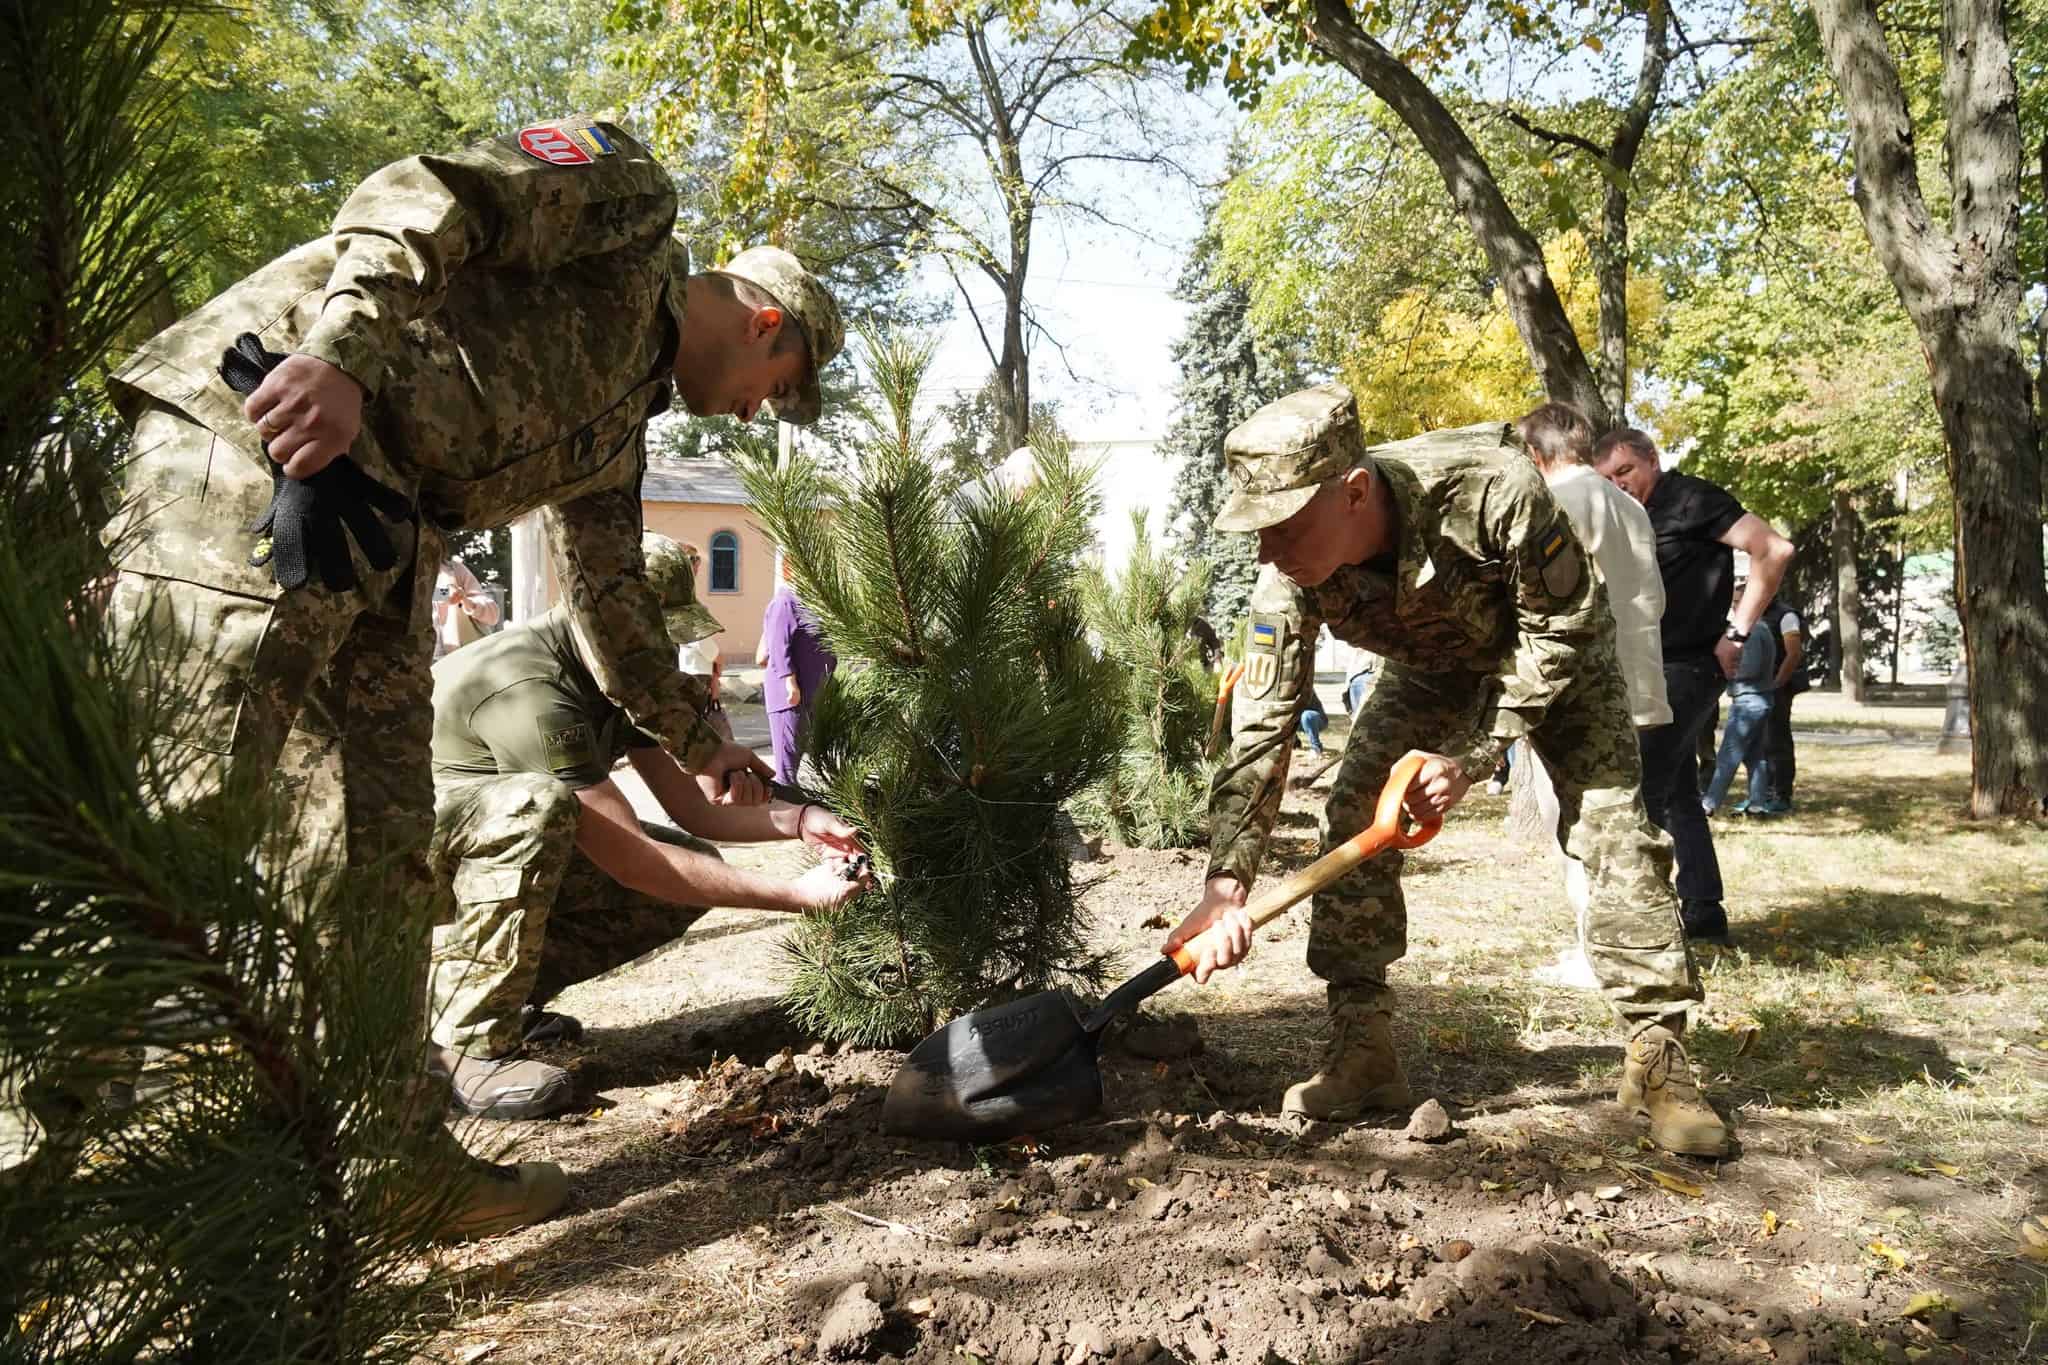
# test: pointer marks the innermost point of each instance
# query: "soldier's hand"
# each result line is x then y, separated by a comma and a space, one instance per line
307, 412
1440, 785
827, 887
1222, 904
736, 776
822, 829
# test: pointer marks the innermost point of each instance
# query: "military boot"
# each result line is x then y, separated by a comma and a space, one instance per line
1360, 1072
1657, 1084
509, 1087
465, 1197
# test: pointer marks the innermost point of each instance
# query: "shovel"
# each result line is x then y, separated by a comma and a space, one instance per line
1031, 1064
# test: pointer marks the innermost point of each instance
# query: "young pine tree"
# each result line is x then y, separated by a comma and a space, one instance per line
1158, 794
238, 1205
967, 708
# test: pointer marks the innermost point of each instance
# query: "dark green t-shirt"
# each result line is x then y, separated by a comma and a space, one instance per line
523, 701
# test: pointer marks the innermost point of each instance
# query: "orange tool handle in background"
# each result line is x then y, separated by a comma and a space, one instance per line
1223, 704
1383, 833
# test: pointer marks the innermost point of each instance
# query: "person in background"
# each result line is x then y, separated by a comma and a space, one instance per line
1312, 721
463, 611
798, 661
699, 655
1749, 710
1699, 527
1791, 681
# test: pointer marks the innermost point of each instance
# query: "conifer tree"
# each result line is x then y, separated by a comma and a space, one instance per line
1227, 373
239, 1205
966, 709
1158, 794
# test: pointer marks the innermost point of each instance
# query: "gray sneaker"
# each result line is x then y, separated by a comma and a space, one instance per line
510, 1088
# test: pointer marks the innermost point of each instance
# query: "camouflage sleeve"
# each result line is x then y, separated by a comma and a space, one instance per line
414, 225
1279, 666
1559, 617
595, 541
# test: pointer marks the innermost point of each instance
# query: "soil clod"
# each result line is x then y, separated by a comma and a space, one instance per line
1429, 1123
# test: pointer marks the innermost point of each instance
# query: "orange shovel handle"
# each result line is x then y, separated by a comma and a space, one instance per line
1223, 704
1386, 831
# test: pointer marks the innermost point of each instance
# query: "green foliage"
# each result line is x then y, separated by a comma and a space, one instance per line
1158, 794
974, 442
242, 1204
1228, 371
966, 710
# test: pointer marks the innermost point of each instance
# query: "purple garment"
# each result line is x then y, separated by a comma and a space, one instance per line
796, 648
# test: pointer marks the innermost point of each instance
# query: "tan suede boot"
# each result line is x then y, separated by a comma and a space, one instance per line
457, 1196
1360, 1072
1657, 1083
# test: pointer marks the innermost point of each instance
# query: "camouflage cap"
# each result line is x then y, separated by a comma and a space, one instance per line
675, 584
1282, 453
810, 303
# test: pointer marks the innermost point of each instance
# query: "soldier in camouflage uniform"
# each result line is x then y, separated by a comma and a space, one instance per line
1447, 556
481, 334
555, 881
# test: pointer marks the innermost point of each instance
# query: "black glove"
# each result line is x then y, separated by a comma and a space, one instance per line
304, 524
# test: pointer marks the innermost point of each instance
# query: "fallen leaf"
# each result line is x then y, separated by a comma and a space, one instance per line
1009, 1205
1138, 1182
1943, 1168
1891, 1255
1491, 1185
1867, 1140
1609, 1193
1925, 1303
1677, 1186
470, 1354
1919, 1352
1582, 1163
1155, 922
1770, 1223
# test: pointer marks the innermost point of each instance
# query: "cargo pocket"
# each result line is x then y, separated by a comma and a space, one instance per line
197, 641
489, 914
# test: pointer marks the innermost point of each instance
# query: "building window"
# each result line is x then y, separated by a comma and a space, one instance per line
725, 562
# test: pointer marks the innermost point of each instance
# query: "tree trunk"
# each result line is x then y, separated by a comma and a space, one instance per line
1848, 598
1533, 303
1962, 289
1610, 269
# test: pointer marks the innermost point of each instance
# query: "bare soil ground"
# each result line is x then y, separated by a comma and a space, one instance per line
1879, 1036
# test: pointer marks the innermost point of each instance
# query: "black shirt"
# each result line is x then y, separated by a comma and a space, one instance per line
1690, 516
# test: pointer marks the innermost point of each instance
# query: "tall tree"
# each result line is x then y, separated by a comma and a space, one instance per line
1227, 372
965, 126
1960, 283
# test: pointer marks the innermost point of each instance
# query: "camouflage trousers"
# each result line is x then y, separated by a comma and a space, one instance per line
324, 696
1359, 925
533, 915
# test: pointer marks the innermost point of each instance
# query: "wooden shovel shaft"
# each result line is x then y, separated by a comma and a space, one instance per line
1383, 833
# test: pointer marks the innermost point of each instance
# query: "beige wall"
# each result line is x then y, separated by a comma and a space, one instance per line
739, 612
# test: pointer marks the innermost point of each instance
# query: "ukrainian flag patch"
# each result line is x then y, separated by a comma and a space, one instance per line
1264, 636
1553, 545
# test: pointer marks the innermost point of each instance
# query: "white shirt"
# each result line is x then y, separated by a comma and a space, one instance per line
1616, 531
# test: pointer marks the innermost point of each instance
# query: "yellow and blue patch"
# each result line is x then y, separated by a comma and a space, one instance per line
1264, 636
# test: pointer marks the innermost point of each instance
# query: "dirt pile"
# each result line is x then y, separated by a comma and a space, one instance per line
733, 1103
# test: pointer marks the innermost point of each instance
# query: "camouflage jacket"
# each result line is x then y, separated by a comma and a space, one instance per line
512, 312
1486, 588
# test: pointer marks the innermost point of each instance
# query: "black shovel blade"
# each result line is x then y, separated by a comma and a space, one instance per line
993, 1074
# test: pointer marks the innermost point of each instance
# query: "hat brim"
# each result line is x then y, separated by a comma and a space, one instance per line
809, 403
1256, 511
687, 625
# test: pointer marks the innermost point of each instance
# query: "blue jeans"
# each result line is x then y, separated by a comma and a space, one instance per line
1671, 775
1742, 741
1312, 723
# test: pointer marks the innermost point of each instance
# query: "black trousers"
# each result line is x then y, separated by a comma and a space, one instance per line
1671, 774
1778, 746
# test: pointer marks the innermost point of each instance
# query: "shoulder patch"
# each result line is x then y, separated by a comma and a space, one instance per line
1262, 655
1562, 566
565, 746
560, 146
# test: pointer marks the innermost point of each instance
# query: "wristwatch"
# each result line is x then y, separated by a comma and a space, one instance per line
1738, 636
